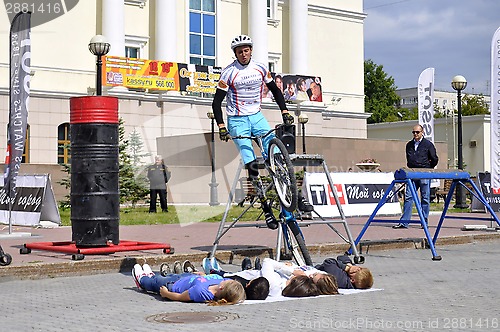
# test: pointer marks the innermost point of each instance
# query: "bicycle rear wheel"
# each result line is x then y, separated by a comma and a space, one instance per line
298, 244
283, 174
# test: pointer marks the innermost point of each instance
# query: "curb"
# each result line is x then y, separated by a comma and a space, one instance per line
124, 265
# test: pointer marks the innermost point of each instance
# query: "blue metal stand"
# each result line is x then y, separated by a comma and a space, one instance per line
405, 176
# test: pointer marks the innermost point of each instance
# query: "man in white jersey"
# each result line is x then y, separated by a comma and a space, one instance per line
241, 83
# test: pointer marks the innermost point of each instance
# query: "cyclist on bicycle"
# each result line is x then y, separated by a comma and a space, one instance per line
241, 83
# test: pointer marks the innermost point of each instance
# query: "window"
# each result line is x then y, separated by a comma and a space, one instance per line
202, 32
63, 144
272, 12
131, 52
135, 46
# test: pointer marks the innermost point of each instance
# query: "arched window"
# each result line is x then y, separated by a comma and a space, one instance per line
63, 144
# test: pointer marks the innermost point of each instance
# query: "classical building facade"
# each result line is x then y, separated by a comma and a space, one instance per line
321, 38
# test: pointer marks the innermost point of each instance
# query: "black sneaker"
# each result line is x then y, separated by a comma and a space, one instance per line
304, 205
246, 264
271, 221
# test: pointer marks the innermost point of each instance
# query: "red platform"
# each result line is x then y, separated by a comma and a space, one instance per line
70, 247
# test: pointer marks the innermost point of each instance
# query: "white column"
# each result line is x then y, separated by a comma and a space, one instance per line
298, 37
257, 28
113, 25
166, 33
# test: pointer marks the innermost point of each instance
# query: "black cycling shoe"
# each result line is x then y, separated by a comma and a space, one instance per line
271, 221
257, 265
246, 264
304, 205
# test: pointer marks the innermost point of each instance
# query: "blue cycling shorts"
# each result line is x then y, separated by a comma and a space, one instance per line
247, 125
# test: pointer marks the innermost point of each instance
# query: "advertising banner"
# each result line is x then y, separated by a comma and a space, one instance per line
20, 61
297, 88
159, 75
426, 108
495, 112
493, 198
426, 102
359, 193
34, 201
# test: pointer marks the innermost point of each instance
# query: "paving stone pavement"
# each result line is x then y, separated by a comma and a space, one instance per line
458, 293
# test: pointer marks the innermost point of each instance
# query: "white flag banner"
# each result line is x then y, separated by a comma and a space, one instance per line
495, 112
426, 108
426, 102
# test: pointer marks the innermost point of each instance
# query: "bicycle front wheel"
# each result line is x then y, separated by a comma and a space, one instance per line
283, 174
298, 245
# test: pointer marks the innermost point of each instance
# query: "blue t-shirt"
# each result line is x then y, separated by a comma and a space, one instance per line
197, 286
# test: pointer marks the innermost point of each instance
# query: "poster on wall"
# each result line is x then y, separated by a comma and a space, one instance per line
297, 88
358, 193
159, 75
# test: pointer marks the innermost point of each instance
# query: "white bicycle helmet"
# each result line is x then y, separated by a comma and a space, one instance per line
240, 41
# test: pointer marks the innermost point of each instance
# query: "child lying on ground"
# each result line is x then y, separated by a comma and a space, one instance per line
347, 274
187, 287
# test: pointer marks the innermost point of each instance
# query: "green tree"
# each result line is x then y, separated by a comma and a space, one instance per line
136, 146
474, 104
380, 94
131, 188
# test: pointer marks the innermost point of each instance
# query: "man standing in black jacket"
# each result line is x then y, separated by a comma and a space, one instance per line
420, 153
158, 175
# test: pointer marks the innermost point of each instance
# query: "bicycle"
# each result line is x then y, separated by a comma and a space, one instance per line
280, 168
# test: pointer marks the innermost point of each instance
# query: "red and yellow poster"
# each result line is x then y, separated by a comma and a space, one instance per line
159, 75
140, 73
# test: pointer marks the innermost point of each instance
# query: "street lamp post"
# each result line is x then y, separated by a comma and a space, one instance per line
459, 83
99, 47
213, 182
303, 119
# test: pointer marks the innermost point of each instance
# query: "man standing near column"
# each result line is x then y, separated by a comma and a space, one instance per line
420, 153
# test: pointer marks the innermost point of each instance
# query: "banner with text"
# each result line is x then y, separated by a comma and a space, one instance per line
20, 69
426, 102
491, 196
159, 75
358, 193
34, 201
495, 111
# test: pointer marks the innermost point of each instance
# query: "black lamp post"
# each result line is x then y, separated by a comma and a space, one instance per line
99, 47
459, 83
213, 182
303, 119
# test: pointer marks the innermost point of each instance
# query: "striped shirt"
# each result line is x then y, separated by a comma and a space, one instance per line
244, 85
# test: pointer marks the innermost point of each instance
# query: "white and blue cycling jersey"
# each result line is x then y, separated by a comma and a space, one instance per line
244, 84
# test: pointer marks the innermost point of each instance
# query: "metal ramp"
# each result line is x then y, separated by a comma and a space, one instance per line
301, 160
405, 176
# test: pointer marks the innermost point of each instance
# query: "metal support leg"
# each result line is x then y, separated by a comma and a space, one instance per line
354, 250
220, 231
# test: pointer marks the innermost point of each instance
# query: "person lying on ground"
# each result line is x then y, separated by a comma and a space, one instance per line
189, 287
279, 275
347, 274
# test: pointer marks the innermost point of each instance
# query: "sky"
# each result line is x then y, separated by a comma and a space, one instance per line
451, 36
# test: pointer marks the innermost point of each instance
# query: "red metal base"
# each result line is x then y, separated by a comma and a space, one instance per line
71, 248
